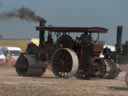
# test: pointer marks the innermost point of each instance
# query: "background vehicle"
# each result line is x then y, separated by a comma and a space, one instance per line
2, 57
11, 53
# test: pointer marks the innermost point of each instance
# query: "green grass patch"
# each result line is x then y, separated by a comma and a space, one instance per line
22, 43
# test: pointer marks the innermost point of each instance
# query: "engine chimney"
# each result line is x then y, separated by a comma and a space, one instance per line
42, 34
119, 38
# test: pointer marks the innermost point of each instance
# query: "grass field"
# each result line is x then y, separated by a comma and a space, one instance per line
22, 43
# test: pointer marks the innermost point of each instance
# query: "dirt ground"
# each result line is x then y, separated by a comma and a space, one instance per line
48, 85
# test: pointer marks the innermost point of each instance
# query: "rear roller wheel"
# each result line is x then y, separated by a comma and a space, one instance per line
27, 65
65, 63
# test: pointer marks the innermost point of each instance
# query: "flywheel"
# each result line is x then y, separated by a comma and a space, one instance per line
65, 41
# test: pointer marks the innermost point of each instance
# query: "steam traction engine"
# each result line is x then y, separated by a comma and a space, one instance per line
67, 56
122, 51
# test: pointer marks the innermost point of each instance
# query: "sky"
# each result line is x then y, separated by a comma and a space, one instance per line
84, 13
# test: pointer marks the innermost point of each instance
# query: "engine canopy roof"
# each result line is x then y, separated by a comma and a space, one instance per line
73, 29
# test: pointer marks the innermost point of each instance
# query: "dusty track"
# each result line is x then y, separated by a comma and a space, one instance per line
48, 85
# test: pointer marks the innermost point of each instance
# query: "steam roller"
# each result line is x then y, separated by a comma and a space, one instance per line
28, 65
65, 63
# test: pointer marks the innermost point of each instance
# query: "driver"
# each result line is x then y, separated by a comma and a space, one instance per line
107, 52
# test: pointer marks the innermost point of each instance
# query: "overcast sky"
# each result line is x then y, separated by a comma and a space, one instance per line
104, 13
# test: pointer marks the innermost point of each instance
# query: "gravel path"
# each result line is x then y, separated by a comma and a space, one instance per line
48, 85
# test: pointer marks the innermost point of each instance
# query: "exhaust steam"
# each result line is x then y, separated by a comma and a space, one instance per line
22, 13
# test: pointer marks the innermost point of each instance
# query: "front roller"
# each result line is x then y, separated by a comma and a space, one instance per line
65, 63
27, 65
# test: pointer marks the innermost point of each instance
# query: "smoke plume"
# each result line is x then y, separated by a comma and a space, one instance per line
22, 13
